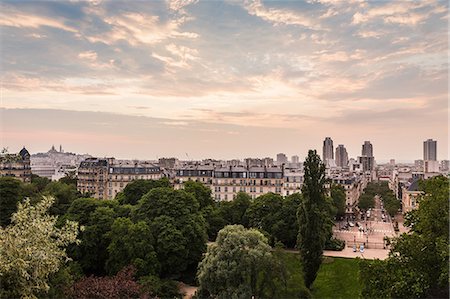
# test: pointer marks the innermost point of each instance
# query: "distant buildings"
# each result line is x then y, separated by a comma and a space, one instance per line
168, 163
341, 156
295, 159
55, 164
281, 159
367, 159
429, 150
104, 178
410, 196
327, 150
16, 165
353, 186
227, 180
367, 149
430, 163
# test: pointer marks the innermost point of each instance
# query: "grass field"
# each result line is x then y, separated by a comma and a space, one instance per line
337, 277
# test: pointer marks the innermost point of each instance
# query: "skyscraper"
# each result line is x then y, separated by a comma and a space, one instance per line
328, 149
281, 158
341, 156
367, 160
429, 150
295, 159
367, 149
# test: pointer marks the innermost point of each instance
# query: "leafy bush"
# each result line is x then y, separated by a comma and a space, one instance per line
334, 244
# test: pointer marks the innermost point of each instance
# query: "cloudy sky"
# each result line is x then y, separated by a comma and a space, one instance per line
231, 79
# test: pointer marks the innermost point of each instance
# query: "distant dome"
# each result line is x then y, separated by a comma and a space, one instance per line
24, 154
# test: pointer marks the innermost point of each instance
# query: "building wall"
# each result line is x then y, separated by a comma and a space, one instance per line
16, 165
104, 178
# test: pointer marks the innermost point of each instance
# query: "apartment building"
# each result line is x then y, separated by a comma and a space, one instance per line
226, 181
353, 186
16, 165
104, 178
293, 181
255, 181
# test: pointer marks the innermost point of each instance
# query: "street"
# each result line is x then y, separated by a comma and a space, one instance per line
368, 231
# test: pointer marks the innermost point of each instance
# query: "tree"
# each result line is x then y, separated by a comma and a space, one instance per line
136, 189
215, 220
32, 248
366, 201
285, 229
263, 213
313, 217
200, 192
69, 179
235, 211
417, 266
92, 252
97, 216
10, 195
131, 244
64, 195
338, 197
177, 226
236, 265
39, 182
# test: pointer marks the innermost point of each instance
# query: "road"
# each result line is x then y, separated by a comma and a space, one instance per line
374, 229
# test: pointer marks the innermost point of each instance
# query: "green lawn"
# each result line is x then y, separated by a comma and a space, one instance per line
337, 278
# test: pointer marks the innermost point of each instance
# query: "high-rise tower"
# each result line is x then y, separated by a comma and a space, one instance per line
367, 149
429, 150
328, 149
341, 156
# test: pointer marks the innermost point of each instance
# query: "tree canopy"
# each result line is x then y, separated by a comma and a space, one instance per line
136, 189
313, 217
236, 265
418, 261
32, 248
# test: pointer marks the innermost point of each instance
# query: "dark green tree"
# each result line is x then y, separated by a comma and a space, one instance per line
263, 213
313, 217
10, 195
136, 189
178, 228
39, 182
366, 201
215, 220
131, 243
234, 212
338, 197
69, 179
417, 266
64, 195
285, 229
97, 217
200, 192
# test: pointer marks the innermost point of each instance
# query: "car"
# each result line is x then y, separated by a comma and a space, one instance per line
351, 224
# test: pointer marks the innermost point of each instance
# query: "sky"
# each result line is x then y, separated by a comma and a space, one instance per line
224, 79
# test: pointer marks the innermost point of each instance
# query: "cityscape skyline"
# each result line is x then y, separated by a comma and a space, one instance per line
224, 79
295, 158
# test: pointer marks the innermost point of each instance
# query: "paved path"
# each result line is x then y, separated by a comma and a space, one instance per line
187, 290
369, 254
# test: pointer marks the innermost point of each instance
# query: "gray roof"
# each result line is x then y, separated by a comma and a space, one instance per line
414, 186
